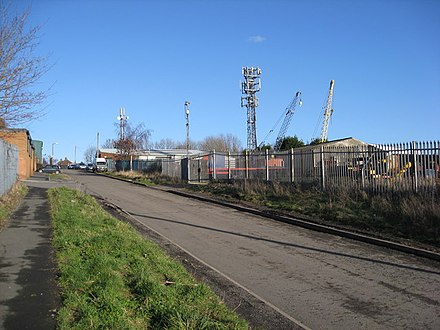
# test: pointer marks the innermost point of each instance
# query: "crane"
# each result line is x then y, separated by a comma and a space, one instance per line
288, 117
328, 110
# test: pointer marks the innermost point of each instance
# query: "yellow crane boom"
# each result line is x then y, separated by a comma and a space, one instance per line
328, 110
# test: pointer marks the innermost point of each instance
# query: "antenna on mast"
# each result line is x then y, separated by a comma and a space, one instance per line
250, 86
122, 122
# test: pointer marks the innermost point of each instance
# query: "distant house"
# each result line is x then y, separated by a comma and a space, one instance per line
64, 163
27, 161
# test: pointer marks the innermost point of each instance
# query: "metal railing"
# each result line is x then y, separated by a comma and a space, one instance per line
8, 166
401, 167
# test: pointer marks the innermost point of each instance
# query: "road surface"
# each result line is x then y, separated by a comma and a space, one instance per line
320, 280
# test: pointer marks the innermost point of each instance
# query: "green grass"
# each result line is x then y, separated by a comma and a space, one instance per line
134, 176
111, 278
59, 176
10, 201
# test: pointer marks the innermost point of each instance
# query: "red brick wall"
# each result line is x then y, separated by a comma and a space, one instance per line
26, 154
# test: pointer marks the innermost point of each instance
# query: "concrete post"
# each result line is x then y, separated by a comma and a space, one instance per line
267, 165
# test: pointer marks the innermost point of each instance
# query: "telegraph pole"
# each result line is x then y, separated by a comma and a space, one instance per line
97, 145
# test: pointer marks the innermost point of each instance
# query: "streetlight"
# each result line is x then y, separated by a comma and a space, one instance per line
187, 127
53, 145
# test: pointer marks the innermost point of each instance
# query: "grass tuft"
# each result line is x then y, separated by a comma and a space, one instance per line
10, 201
110, 277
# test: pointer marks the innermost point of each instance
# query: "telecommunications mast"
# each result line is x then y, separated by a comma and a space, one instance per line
122, 119
249, 87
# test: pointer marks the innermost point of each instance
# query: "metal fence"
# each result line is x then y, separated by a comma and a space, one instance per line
401, 167
168, 167
376, 168
8, 166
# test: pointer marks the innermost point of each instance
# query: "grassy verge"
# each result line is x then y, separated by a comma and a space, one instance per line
110, 277
59, 176
10, 201
149, 179
401, 217
134, 176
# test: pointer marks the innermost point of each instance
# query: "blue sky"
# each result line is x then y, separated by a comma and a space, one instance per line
152, 56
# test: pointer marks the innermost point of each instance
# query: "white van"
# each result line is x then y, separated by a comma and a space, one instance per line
100, 165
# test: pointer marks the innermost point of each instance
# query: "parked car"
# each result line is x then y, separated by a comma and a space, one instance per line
82, 166
71, 166
51, 169
90, 167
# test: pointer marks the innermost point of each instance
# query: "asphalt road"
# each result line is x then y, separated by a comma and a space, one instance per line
320, 280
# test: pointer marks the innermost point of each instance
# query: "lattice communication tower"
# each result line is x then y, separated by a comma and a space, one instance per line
122, 122
249, 87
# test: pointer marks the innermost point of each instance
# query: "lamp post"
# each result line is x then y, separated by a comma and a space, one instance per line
187, 127
51, 159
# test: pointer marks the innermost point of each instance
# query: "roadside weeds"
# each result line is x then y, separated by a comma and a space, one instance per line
10, 201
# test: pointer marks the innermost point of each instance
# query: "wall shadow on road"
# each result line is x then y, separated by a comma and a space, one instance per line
291, 244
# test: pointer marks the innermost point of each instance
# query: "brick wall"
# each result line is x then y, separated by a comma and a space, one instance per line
26, 153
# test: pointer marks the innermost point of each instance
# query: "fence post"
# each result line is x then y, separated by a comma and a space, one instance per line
364, 171
214, 174
267, 165
322, 169
131, 163
292, 166
188, 170
416, 175
246, 163
229, 165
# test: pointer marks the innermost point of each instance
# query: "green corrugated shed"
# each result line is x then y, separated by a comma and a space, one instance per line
38, 146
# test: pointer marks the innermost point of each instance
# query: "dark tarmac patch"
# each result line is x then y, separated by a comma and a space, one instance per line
36, 301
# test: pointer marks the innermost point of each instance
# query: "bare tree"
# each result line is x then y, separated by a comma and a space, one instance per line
20, 68
192, 145
136, 138
109, 143
233, 143
165, 144
221, 143
140, 135
90, 154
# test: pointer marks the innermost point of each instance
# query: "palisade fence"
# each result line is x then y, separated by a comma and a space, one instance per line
8, 166
405, 167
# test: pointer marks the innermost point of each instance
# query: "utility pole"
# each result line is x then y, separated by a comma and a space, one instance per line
187, 103
51, 158
97, 145
249, 87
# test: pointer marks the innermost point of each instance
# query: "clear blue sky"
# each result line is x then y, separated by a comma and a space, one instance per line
151, 56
